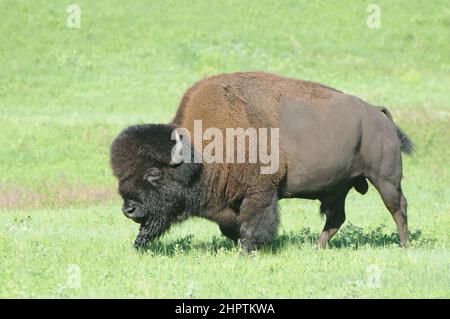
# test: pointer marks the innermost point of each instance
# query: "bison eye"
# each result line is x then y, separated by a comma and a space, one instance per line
152, 175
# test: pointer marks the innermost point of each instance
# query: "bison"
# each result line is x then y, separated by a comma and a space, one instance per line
329, 143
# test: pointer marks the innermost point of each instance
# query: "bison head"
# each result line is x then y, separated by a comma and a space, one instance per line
153, 185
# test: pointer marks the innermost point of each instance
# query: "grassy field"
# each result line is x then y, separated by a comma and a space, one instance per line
66, 93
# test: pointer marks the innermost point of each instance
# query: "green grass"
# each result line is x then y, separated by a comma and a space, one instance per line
66, 93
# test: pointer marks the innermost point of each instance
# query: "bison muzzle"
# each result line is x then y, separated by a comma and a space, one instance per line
329, 143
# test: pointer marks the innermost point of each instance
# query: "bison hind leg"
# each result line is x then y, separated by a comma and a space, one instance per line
395, 202
334, 210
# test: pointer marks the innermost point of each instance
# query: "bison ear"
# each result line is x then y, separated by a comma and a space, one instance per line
186, 173
152, 175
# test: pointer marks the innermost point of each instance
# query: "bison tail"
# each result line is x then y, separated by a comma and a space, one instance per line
407, 145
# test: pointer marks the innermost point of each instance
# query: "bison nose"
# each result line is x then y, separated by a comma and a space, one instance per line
128, 209
133, 210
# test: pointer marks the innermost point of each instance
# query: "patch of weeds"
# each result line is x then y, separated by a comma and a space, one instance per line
218, 244
353, 236
304, 237
23, 221
177, 247
350, 236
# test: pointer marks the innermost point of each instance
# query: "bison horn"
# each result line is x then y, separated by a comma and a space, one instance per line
177, 155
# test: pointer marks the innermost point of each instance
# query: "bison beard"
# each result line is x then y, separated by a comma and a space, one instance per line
150, 230
165, 207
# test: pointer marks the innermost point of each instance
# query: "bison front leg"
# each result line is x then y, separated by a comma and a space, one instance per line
259, 220
230, 232
229, 224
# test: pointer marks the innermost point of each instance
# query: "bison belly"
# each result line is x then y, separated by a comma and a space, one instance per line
321, 142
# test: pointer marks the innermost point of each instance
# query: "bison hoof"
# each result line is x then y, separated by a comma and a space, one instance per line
247, 246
